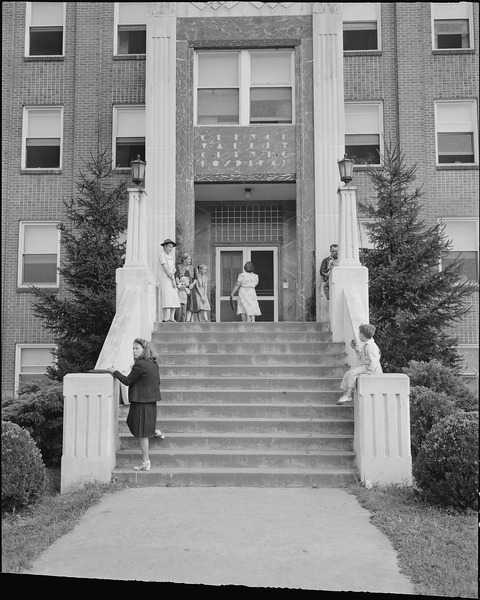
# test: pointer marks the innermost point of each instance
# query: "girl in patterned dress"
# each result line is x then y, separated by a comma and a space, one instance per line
201, 292
247, 305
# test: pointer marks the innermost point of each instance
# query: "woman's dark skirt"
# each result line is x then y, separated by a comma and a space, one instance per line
142, 419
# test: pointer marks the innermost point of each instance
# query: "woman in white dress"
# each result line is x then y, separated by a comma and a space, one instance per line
247, 304
168, 285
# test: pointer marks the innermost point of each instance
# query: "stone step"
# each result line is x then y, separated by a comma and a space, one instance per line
253, 372
263, 347
252, 411
215, 358
198, 477
234, 459
246, 383
245, 441
241, 337
179, 395
246, 404
260, 425
238, 326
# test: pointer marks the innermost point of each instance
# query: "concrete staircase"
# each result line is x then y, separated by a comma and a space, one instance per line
246, 404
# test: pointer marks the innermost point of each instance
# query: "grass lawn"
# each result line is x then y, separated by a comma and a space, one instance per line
437, 549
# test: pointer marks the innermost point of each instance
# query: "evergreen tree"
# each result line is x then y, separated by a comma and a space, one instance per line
95, 217
412, 301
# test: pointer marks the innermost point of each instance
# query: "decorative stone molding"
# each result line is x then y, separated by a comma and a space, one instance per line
240, 9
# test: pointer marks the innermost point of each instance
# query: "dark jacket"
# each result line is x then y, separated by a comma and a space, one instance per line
143, 381
325, 267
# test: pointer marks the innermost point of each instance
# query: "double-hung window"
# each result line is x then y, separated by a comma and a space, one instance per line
31, 362
128, 134
463, 234
244, 87
363, 132
45, 25
42, 137
456, 129
39, 251
361, 26
130, 20
452, 25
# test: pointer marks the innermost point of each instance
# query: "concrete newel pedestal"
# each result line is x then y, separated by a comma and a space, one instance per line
90, 423
382, 429
349, 273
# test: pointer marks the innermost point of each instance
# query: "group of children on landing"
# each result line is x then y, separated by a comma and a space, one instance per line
185, 289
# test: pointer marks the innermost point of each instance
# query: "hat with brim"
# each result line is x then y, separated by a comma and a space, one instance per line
168, 241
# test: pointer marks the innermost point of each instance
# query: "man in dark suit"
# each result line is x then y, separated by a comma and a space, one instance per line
326, 266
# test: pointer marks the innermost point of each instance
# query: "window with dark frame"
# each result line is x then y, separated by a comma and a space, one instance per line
131, 28
43, 138
463, 236
129, 135
46, 29
362, 132
33, 360
132, 39
452, 25
264, 96
452, 34
361, 35
455, 123
39, 254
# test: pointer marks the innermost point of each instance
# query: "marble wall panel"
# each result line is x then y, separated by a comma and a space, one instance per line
288, 265
305, 245
229, 30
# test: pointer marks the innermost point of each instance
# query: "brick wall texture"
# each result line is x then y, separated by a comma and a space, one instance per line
406, 75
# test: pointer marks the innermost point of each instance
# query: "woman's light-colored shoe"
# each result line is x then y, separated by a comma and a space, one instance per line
159, 434
143, 466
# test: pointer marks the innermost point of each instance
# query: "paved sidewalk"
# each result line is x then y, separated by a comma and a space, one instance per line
300, 538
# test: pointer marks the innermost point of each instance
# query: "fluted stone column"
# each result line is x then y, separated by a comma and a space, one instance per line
348, 255
136, 254
349, 273
329, 123
160, 126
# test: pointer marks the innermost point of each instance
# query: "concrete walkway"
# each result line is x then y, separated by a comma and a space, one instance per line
296, 538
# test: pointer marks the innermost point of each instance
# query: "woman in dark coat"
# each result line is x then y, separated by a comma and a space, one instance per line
143, 383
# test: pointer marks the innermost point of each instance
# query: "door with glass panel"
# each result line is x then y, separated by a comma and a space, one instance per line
229, 264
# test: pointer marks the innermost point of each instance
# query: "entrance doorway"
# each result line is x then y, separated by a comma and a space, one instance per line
229, 263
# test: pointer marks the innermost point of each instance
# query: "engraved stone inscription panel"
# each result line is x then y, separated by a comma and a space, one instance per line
245, 150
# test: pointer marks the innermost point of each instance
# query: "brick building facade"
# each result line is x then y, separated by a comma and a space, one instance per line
77, 77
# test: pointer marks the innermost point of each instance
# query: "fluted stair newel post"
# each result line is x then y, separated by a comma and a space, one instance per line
349, 274
136, 272
136, 254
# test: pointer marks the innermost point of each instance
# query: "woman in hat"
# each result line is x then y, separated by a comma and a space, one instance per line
168, 285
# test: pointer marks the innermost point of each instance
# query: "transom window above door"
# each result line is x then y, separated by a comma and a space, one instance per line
244, 87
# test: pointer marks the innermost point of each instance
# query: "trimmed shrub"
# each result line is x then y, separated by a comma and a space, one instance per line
23, 471
446, 469
440, 378
426, 408
39, 409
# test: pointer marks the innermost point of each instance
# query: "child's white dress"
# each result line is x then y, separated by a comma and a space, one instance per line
247, 297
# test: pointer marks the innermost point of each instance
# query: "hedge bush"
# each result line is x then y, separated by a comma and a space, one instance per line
426, 408
38, 408
446, 469
440, 378
23, 470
